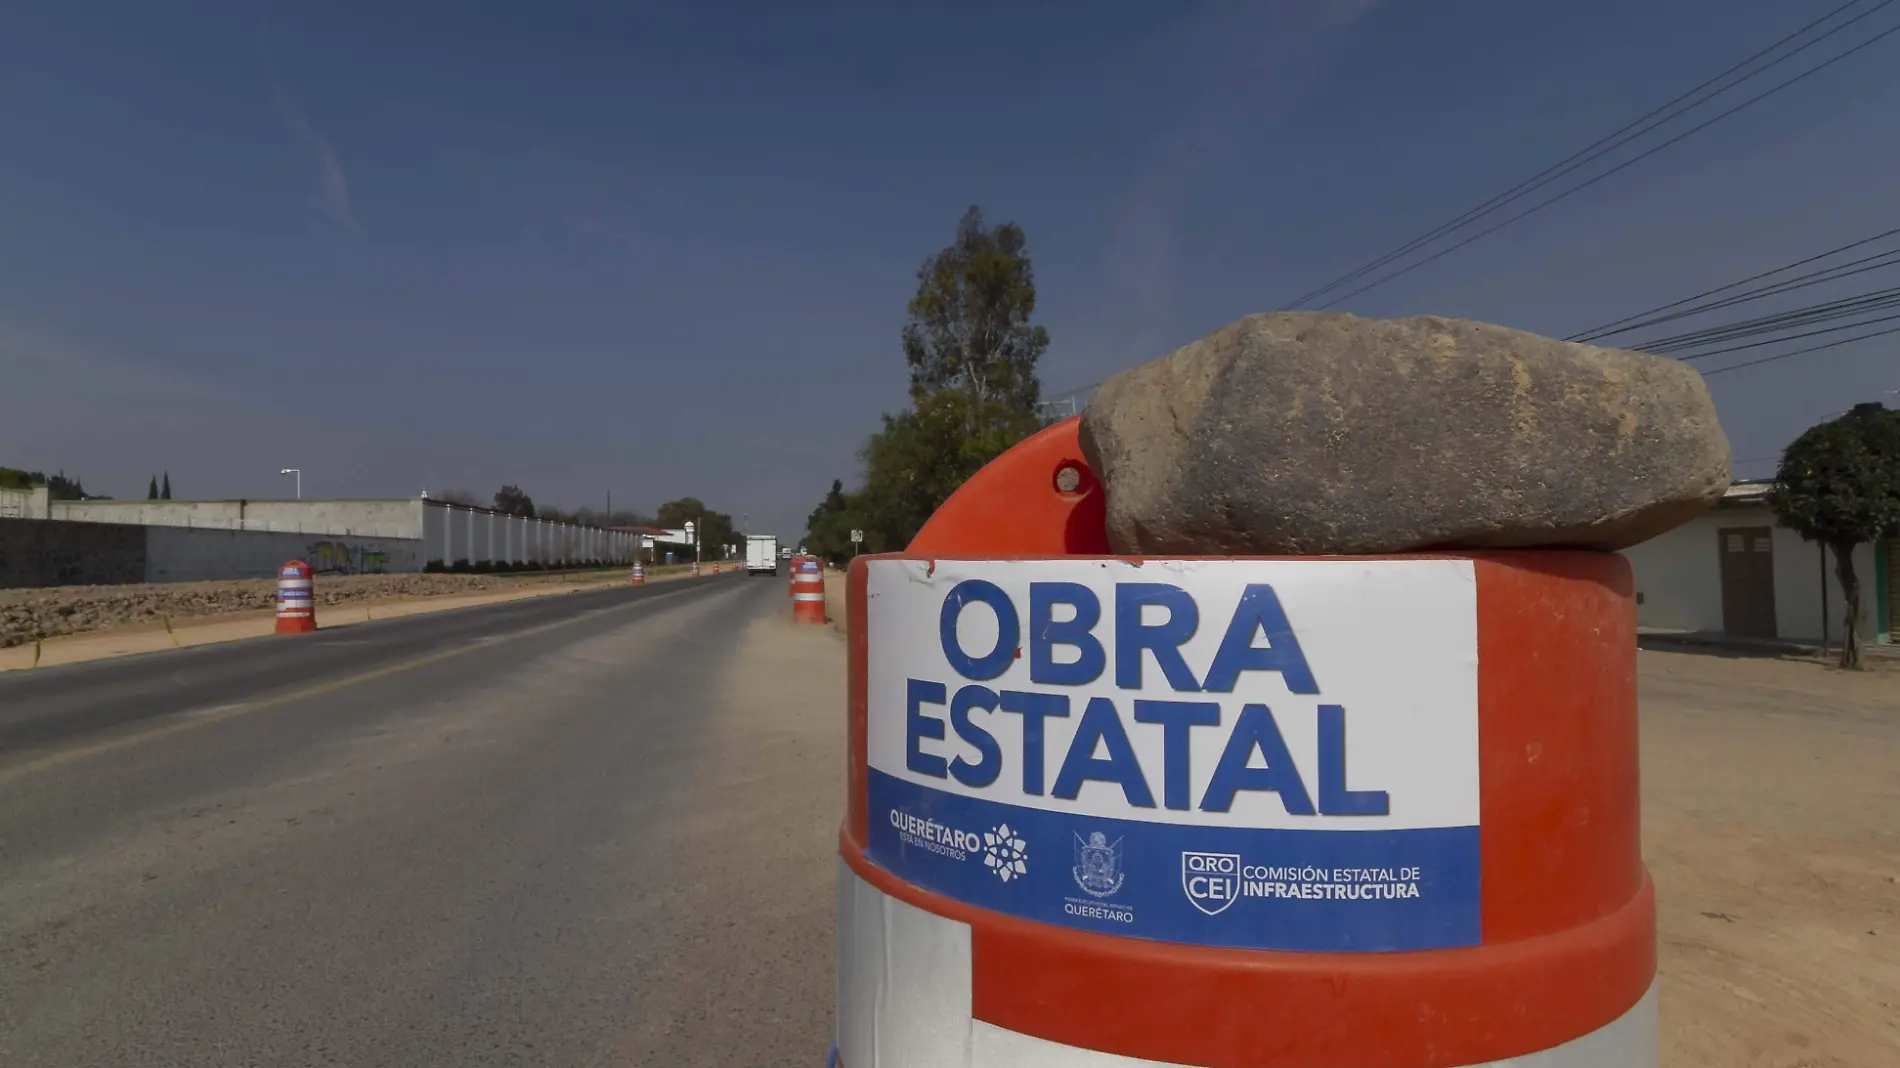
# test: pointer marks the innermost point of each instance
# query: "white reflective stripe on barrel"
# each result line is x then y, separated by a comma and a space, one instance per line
808, 596
905, 1001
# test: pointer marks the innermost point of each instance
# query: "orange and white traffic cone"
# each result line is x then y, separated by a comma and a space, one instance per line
808, 591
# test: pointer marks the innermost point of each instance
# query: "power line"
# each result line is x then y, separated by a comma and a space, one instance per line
1596, 149
1613, 170
1800, 352
1606, 329
1772, 324
1800, 281
1792, 337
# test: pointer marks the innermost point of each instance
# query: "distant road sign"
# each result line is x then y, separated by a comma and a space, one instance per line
857, 536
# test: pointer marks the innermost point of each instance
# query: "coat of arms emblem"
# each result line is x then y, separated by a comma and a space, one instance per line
1098, 864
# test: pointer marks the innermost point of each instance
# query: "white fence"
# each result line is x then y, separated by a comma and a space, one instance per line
478, 537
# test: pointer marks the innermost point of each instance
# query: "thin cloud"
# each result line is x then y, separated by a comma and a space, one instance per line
332, 198
333, 187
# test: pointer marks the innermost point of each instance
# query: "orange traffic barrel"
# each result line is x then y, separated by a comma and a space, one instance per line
296, 599
1235, 812
808, 591
638, 577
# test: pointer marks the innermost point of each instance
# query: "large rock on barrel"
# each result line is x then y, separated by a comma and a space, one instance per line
1321, 433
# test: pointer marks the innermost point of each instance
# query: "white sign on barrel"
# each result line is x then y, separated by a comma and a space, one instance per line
1273, 754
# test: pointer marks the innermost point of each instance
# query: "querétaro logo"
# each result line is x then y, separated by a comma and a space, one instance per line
1005, 853
1098, 865
1210, 880
939, 838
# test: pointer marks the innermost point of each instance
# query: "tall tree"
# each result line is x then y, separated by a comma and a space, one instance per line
713, 529
512, 500
969, 328
58, 487
151, 491
165, 491
619, 517
972, 353
828, 528
61, 488
917, 459
1839, 484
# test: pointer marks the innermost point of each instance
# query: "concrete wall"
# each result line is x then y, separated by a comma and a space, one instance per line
44, 552
370, 517
447, 534
179, 554
1679, 578
25, 503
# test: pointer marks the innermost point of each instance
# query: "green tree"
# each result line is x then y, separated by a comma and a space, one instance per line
714, 529
151, 492
58, 487
165, 490
513, 501
968, 328
918, 459
61, 488
828, 528
972, 353
619, 517
1839, 484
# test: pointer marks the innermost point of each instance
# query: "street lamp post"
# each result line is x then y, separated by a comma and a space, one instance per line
298, 471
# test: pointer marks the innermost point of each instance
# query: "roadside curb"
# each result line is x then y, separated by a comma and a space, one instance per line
1689, 641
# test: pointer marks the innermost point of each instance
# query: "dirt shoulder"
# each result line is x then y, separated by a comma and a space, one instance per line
1771, 825
77, 623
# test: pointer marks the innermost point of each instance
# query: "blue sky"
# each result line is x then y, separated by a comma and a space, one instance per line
664, 249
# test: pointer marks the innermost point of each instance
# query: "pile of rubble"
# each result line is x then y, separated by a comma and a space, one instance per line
30, 615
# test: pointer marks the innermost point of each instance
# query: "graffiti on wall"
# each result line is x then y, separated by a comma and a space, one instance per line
342, 558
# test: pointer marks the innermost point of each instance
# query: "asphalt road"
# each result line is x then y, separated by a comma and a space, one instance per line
594, 829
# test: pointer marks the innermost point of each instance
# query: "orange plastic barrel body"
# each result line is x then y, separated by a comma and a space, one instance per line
1564, 947
808, 591
296, 599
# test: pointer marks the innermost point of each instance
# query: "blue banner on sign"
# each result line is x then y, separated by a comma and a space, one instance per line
1248, 888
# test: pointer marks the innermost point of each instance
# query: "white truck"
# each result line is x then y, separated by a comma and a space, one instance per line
761, 554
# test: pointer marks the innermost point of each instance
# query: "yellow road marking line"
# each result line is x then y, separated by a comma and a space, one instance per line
191, 720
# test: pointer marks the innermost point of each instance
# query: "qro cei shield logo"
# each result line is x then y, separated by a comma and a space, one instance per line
1211, 880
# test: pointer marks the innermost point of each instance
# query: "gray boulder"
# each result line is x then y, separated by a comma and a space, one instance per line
1322, 433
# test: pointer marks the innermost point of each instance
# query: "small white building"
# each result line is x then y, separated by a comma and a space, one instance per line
1733, 571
